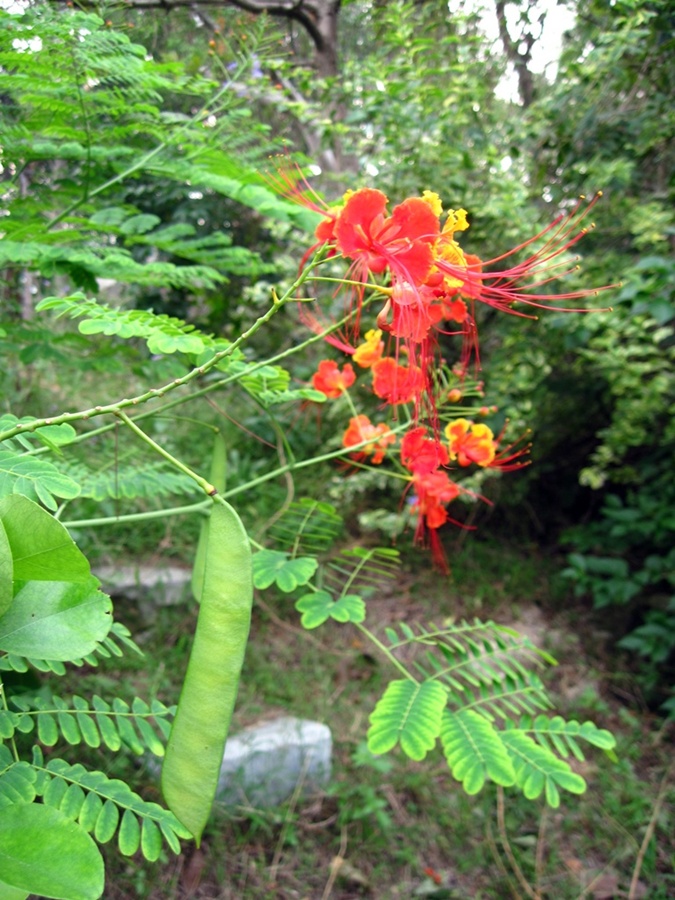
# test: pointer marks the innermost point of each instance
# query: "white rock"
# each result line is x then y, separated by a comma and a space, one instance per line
149, 586
263, 765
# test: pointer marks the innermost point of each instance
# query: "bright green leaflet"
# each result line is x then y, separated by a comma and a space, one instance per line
56, 620
6, 572
41, 547
44, 853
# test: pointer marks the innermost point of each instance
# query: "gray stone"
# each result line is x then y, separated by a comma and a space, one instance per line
263, 765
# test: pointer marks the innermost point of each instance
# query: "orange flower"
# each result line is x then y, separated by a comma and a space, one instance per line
470, 443
330, 380
397, 384
361, 429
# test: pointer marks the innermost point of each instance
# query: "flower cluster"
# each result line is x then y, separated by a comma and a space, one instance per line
428, 284
408, 260
424, 456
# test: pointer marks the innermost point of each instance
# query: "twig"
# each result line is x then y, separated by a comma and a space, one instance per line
497, 858
515, 868
297, 631
335, 865
632, 892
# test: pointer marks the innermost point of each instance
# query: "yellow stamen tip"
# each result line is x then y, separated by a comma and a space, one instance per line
599, 194
582, 196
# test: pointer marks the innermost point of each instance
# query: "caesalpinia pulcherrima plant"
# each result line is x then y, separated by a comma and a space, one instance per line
407, 282
411, 261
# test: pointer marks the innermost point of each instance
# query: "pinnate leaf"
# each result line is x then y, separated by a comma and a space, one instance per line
35, 478
410, 714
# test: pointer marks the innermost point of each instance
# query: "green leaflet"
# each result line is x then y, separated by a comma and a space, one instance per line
44, 853
272, 566
35, 478
410, 714
474, 751
41, 547
537, 769
57, 620
319, 606
6, 572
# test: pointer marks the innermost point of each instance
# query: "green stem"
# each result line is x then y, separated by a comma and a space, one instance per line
367, 633
302, 464
139, 517
115, 408
176, 463
176, 401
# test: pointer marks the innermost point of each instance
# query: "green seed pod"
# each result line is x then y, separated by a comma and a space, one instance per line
195, 749
217, 477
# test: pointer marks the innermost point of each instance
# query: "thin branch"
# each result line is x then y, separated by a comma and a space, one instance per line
515, 868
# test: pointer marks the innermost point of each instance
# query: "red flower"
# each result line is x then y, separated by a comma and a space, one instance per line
422, 454
397, 384
330, 380
433, 490
361, 429
402, 242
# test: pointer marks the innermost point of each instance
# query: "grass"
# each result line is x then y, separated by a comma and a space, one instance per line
389, 827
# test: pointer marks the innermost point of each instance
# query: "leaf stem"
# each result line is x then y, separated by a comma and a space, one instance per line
206, 486
367, 633
139, 517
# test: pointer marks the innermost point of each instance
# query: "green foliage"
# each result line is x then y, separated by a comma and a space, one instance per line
410, 714
164, 334
76, 722
476, 676
288, 573
86, 109
53, 612
35, 478
307, 526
